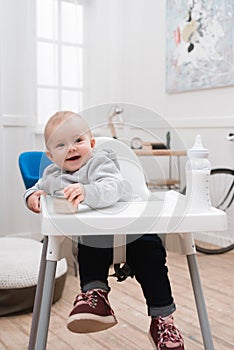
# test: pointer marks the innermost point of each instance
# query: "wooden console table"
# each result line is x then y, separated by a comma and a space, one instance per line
170, 182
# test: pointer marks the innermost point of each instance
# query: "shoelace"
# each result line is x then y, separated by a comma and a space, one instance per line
90, 297
168, 332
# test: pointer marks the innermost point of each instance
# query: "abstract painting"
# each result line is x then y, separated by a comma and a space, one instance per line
199, 44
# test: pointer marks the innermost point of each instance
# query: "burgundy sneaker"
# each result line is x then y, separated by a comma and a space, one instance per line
164, 335
91, 312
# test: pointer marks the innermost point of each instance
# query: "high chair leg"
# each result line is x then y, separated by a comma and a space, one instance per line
200, 302
38, 296
46, 304
119, 252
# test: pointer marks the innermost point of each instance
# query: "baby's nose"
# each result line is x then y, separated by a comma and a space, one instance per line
72, 147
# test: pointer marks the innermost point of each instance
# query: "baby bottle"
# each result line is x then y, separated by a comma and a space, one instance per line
197, 178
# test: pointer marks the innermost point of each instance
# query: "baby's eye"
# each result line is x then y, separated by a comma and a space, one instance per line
78, 140
60, 145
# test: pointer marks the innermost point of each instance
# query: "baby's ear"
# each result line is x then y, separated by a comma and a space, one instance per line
49, 155
92, 142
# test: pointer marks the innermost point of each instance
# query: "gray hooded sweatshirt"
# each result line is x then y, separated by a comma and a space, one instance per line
100, 177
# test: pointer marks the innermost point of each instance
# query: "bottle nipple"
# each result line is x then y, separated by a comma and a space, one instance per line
198, 149
198, 143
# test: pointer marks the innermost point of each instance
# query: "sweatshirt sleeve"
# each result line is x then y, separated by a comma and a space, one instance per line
106, 184
31, 190
50, 175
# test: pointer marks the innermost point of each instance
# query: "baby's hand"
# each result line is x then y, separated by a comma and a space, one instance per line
33, 201
74, 193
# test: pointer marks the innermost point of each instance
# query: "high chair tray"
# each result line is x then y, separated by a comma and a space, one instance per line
163, 213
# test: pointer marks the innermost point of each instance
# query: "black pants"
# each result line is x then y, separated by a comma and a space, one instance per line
146, 257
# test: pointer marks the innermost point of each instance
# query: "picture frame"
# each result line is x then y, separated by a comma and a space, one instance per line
199, 44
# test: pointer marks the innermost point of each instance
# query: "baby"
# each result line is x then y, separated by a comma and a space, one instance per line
94, 178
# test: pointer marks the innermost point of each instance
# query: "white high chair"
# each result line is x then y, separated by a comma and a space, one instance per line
155, 213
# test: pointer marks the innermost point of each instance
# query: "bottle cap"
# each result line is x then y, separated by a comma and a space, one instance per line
198, 151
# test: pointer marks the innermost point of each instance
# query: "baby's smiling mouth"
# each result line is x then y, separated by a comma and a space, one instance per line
73, 158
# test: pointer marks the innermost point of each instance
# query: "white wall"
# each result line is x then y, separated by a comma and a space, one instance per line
124, 63
103, 59
126, 60
17, 109
132, 70
144, 68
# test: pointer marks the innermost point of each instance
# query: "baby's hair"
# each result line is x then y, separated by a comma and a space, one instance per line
59, 118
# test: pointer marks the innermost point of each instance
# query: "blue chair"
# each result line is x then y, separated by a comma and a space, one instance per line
32, 165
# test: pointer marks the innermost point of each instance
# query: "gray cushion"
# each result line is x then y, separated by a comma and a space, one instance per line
19, 268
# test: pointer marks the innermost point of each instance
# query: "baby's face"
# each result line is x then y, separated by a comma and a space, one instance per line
70, 145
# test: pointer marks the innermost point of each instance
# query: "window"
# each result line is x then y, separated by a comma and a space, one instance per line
59, 57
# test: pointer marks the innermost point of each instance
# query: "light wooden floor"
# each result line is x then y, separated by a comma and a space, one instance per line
217, 274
